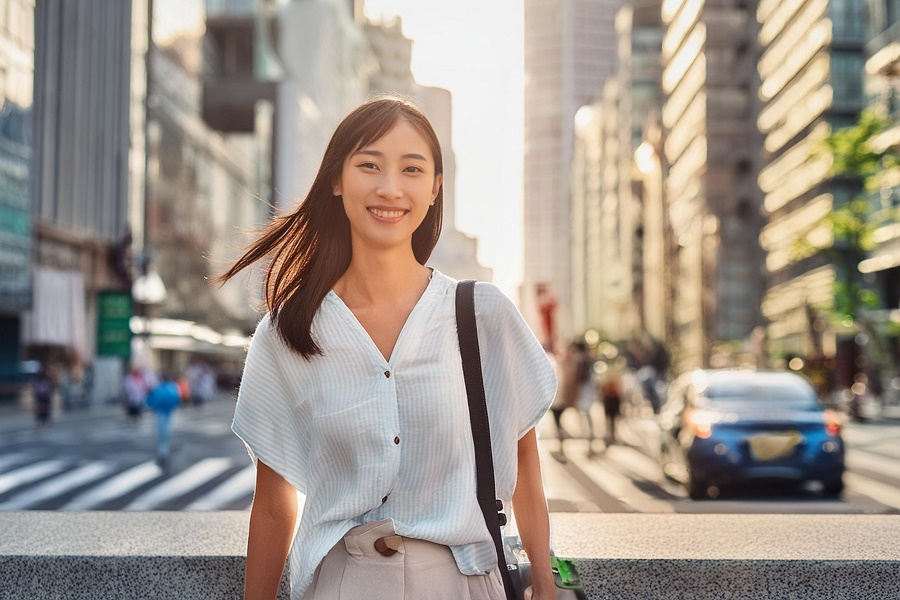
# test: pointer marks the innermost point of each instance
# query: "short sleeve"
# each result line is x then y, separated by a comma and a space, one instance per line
518, 375
270, 418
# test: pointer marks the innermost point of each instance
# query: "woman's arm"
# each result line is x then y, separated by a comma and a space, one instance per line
532, 519
272, 519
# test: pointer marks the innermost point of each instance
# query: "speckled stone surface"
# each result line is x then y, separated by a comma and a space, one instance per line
731, 557
187, 555
121, 555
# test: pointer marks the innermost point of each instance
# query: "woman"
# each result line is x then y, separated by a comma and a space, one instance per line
353, 392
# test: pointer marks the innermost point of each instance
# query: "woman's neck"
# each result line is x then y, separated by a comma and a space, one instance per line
380, 278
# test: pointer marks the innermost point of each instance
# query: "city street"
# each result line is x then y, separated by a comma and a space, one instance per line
104, 463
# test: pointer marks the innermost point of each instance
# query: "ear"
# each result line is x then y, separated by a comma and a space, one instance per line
438, 181
336, 188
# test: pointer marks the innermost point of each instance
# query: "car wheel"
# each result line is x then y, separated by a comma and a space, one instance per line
697, 489
833, 487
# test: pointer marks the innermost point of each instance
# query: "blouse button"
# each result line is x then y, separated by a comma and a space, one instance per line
383, 500
387, 373
396, 439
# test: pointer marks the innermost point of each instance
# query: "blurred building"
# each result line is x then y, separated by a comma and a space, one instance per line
709, 54
640, 32
570, 50
16, 100
658, 246
80, 183
323, 48
204, 188
883, 77
811, 84
588, 274
607, 229
390, 72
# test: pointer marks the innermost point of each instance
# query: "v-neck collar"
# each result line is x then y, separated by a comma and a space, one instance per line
363, 333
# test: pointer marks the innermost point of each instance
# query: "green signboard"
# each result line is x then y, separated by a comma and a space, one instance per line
114, 324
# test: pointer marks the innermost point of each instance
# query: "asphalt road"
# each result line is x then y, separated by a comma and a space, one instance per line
101, 462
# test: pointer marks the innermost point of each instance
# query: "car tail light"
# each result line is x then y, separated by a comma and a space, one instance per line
701, 422
832, 423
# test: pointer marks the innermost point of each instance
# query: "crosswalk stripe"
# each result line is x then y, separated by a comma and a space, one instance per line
12, 459
182, 483
234, 488
868, 461
56, 486
622, 488
885, 449
30, 473
635, 463
876, 490
115, 487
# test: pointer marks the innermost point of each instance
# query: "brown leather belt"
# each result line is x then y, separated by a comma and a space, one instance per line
388, 545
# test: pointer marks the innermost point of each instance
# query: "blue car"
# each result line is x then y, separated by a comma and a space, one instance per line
721, 427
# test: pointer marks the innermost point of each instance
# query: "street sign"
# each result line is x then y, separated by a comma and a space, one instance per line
113, 324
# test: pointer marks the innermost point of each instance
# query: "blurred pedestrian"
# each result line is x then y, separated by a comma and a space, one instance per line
611, 389
134, 391
570, 365
648, 380
42, 386
202, 382
587, 388
370, 422
184, 388
163, 400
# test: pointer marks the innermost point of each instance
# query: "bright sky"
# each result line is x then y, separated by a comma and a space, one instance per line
474, 48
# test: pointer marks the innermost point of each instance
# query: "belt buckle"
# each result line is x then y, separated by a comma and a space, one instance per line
388, 545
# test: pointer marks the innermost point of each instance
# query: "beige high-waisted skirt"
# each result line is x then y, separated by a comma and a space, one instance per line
355, 570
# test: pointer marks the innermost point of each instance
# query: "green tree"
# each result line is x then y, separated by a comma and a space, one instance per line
855, 158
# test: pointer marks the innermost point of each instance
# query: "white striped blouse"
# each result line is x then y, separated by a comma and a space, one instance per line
367, 438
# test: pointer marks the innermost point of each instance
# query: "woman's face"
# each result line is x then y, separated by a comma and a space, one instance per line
388, 187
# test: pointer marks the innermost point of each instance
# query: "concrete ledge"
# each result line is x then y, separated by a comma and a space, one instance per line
106, 555
640, 556
185, 555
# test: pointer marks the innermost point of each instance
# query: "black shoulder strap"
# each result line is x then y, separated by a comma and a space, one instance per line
478, 415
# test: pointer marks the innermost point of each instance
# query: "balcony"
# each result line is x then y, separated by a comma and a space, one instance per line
243, 68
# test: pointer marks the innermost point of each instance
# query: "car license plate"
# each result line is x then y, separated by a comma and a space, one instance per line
772, 446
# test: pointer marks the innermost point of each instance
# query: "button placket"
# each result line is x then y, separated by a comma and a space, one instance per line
396, 426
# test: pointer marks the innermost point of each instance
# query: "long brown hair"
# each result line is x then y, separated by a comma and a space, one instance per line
309, 249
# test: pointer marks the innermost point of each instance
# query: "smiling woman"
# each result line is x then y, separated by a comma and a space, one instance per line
353, 391
391, 181
311, 248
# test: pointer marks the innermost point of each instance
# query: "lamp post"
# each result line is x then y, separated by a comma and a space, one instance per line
148, 288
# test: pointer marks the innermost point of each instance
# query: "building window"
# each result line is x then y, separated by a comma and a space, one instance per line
847, 75
847, 18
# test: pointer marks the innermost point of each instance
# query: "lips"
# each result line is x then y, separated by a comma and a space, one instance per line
388, 214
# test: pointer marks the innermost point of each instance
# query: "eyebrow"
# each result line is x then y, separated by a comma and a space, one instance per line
381, 155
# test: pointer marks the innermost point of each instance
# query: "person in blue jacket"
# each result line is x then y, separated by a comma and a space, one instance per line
163, 400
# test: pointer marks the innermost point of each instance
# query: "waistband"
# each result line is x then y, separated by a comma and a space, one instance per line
360, 541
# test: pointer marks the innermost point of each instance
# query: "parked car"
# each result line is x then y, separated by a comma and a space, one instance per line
720, 427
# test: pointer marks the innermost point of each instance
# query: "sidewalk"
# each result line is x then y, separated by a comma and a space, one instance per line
890, 413
16, 418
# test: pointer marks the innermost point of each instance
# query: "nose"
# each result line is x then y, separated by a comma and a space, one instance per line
389, 186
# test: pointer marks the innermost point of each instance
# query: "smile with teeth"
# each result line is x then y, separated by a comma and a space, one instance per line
387, 214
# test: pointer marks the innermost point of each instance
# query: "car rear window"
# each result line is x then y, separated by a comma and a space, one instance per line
736, 394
